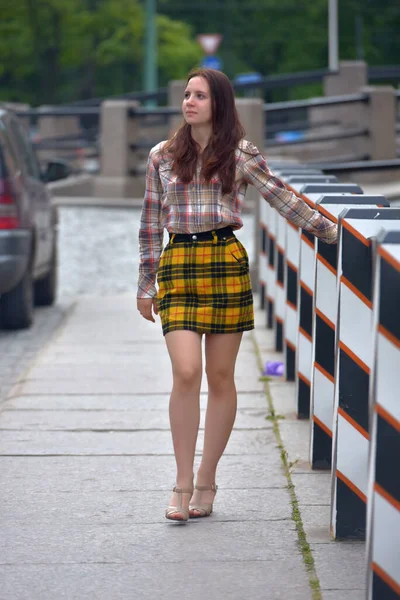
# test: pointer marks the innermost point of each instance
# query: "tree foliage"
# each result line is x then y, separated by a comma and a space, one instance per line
61, 50
56, 50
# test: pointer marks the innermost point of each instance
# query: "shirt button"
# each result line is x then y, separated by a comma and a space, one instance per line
194, 237
224, 238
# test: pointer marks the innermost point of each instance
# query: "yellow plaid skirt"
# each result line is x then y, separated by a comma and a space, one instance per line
205, 286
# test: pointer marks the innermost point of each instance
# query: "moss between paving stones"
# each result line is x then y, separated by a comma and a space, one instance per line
287, 466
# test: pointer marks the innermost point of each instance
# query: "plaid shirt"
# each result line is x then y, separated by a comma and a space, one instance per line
200, 206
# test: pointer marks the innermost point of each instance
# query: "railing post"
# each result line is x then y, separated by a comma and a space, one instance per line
380, 120
118, 132
352, 76
51, 126
176, 89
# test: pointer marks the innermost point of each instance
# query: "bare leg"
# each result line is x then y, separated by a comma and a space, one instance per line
184, 349
221, 352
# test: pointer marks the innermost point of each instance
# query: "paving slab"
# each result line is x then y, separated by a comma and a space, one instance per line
313, 489
349, 594
128, 384
123, 402
214, 580
66, 350
258, 442
161, 542
101, 370
22, 475
77, 508
295, 438
106, 420
123, 353
315, 519
341, 565
283, 395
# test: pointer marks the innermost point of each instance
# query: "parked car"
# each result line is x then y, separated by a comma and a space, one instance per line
28, 226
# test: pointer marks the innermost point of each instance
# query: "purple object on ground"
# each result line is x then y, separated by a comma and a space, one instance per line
274, 368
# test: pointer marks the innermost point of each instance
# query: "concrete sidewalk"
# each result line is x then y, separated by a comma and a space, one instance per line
87, 467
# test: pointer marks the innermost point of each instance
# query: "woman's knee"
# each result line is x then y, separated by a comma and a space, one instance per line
219, 378
187, 375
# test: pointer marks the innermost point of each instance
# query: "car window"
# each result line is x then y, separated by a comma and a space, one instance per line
8, 159
25, 150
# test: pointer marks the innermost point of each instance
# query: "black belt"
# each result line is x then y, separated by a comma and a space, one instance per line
223, 233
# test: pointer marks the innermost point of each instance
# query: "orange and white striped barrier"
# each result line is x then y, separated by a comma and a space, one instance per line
383, 524
267, 272
354, 359
292, 264
311, 193
324, 328
263, 256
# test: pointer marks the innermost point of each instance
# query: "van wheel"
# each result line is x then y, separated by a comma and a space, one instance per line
46, 288
16, 306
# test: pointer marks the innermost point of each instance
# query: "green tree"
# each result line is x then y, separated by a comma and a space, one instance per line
177, 52
63, 50
55, 51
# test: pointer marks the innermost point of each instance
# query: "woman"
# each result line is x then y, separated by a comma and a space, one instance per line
195, 187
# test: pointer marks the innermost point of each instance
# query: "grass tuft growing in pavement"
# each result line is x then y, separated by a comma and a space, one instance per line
304, 546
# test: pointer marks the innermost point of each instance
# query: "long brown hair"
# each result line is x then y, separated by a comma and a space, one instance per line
227, 131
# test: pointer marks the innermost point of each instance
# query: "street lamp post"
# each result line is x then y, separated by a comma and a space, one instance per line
150, 63
333, 36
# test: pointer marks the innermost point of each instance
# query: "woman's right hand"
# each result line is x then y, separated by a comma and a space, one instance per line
146, 306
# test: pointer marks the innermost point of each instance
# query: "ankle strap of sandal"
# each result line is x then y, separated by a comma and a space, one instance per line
206, 488
179, 490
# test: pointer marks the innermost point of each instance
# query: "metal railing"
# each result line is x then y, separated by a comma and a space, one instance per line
56, 111
285, 80
268, 82
160, 94
76, 147
282, 122
379, 73
281, 118
355, 165
299, 126
316, 102
341, 135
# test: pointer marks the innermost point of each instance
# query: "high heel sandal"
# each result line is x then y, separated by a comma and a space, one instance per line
205, 510
179, 509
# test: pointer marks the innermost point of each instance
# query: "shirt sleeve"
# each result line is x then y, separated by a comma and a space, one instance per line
150, 232
289, 205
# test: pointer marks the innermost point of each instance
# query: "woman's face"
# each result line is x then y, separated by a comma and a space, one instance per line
196, 106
